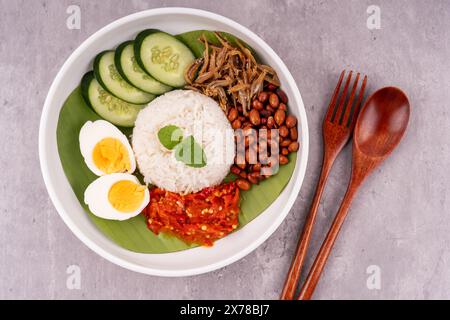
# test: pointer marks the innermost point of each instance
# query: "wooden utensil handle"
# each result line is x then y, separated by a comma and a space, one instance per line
293, 276
321, 259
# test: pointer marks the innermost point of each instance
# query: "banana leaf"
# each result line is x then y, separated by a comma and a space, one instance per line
133, 234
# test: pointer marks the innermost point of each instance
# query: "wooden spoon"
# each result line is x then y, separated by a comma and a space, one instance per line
379, 128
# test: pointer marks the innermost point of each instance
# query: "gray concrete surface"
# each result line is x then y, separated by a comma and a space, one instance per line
399, 222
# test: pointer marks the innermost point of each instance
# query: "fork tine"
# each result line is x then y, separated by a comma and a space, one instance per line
349, 108
333, 100
341, 107
351, 121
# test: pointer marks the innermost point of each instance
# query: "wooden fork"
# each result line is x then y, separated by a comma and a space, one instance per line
337, 128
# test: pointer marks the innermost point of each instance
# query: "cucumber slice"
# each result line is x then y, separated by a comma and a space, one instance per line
106, 74
129, 69
107, 106
163, 56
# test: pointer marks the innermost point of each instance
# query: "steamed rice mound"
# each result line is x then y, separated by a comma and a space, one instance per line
197, 115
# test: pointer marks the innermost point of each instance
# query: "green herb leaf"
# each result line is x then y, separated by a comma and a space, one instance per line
191, 153
170, 136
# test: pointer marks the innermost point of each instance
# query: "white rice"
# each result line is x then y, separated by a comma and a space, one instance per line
197, 115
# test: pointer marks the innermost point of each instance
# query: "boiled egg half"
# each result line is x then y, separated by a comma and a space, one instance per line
105, 148
116, 196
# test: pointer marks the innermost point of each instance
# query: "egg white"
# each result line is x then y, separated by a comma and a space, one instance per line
93, 132
96, 197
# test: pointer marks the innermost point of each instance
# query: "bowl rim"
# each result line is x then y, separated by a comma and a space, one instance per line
301, 164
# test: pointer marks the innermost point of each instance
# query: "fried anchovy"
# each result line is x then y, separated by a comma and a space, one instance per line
228, 73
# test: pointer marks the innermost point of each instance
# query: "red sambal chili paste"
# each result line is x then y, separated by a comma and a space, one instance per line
202, 217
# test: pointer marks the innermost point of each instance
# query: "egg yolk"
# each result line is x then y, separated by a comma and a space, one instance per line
111, 156
126, 196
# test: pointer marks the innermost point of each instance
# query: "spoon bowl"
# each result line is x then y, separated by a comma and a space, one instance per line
382, 122
380, 126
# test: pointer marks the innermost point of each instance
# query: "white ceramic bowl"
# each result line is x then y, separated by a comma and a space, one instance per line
188, 262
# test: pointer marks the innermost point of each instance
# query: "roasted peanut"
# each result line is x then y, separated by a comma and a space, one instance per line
243, 184
285, 142
282, 95
283, 160
263, 96
246, 142
236, 124
253, 177
270, 122
293, 133
291, 121
268, 111
254, 117
247, 131
274, 100
246, 124
232, 114
241, 165
283, 131
256, 167
235, 170
279, 117
257, 105
271, 87
293, 146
